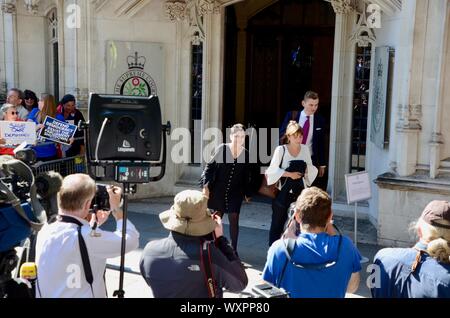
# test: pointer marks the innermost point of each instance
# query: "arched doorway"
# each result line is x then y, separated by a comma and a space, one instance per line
288, 50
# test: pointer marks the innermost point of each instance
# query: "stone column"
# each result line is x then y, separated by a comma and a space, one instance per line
410, 52
442, 21
11, 70
341, 105
75, 49
84, 53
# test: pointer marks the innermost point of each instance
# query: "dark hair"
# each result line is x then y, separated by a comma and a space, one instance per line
311, 95
30, 94
27, 95
67, 98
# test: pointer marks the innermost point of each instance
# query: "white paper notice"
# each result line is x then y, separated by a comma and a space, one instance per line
358, 187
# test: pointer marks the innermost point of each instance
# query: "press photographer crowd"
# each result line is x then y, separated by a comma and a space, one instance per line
52, 244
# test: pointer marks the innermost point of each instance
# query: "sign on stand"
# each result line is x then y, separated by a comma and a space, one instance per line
358, 189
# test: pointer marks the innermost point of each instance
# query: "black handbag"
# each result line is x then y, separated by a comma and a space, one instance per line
291, 189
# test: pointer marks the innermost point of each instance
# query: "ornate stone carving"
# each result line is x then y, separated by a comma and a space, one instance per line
205, 7
32, 6
178, 10
8, 6
175, 10
342, 6
363, 35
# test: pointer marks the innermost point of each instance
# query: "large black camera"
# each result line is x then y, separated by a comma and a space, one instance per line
101, 199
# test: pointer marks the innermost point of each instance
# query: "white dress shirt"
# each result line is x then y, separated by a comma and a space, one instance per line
59, 264
274, 172
302, 122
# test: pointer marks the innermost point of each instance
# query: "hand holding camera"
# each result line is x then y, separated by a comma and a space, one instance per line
115, 197
107, 199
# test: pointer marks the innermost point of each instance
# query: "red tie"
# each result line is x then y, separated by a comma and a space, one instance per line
305, 130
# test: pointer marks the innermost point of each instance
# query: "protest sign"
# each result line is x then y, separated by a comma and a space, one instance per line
58, 131
17, 132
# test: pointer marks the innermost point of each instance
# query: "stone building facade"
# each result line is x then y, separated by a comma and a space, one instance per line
83, 46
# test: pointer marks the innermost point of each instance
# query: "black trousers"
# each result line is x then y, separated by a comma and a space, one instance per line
279, 217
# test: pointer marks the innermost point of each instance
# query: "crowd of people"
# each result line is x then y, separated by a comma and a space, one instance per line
307, 256
26, 106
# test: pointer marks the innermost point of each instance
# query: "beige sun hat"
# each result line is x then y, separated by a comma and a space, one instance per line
189, 214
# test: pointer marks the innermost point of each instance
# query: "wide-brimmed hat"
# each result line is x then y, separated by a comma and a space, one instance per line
437, 213
189, 214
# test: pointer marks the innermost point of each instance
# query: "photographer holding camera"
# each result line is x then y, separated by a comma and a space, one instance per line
71, 261
195, 260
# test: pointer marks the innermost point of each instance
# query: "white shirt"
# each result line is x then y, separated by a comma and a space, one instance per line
23, 112
274, 173
58, 258
302, 122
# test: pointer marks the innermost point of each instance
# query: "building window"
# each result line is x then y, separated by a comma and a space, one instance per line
196, 102
360, 108
53, 61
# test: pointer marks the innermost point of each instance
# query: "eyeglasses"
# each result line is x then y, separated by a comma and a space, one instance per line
27, 98
14, 113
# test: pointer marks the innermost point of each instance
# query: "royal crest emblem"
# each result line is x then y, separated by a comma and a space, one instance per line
135, 82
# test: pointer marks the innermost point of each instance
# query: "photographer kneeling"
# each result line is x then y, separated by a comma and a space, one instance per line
70, 261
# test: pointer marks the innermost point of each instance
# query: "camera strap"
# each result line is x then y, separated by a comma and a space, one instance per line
205, 259
289, 250
83, 249
290, 246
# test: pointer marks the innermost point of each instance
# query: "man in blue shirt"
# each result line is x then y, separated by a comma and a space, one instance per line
424, 270
322, 264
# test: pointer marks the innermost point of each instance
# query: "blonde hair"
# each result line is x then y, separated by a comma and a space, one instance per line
7, 106
292, 128
438, 238
237, 128
76, 189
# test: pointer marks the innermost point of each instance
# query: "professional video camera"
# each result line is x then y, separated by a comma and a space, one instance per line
20, 215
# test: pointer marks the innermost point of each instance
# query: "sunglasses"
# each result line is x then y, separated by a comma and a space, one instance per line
14, 113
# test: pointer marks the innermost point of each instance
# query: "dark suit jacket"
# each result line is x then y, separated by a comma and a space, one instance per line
318, 141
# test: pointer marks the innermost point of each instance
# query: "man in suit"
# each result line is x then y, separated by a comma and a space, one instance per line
314, 133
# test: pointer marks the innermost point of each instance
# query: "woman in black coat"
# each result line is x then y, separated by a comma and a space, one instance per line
226, 180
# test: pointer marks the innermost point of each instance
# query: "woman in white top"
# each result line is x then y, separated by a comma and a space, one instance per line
276, 173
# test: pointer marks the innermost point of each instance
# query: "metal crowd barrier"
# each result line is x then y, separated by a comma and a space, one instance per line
65, 166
